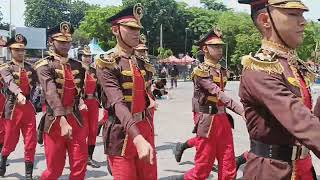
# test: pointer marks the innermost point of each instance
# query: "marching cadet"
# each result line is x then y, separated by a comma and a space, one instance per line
141, 51
2, 122
62, 81
20, 80
212, 123
129, 135
90, 97
275, 93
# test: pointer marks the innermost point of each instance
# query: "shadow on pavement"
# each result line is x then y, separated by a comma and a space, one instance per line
164, 147
175, 171
96, 174
37, 158
15, 175
168, 145
99, 144
186, 162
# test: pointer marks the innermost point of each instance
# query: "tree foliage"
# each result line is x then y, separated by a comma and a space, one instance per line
44, 14
95, 25
311, 38
164, 53
214, 5
3, 25
178, 20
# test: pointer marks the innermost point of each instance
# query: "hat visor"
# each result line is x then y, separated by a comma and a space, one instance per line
292, 5
17, 46
141, 48
63, 39
132, 24
87, 54
216, 42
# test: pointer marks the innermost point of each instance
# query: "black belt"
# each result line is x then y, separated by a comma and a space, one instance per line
139, 116
212, 109
89, 96
287, 153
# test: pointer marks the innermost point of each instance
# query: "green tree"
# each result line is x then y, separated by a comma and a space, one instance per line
95, 25
311, 38
240, 34
164, 53
171, 15
77, 11
214, 5
43, 13
200, 21
80, 38
3, 25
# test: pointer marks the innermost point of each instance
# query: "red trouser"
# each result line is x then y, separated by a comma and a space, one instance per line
56, 147
130, 167
93, 117
218, 145
192, 141
303, 169
2, 130
2, 123
24, 119
104, 118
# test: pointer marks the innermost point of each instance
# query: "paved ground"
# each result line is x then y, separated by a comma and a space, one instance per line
173, 123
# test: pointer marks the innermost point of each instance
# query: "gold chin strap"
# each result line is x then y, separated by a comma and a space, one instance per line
63, 60
20, 64
277, 48
207, 62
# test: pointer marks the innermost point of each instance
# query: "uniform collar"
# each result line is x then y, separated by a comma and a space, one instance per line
85, 66
277, 48
20, 64
123, 52
210, 64
63, 60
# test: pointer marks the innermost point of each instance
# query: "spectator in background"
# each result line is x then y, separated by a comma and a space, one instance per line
163, 75
158, 89
174, 74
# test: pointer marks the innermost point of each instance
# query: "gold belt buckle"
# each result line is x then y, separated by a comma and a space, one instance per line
90, 96
68, 110
221, 109
304, 152
139, 116
299, 152
296, 153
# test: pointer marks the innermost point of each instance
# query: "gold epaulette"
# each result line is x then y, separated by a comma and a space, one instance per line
3, 66
201, 70
149, 67
39, 63
106, 61
310, 75
251, 63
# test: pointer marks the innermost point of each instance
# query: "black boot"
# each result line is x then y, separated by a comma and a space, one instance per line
92, 162
1, 145
109, 167
3, 165
29, 170
180, 147
40, 137
215, 168
99, 129
240, 160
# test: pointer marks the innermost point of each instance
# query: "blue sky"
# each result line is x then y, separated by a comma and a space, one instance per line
18, 8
